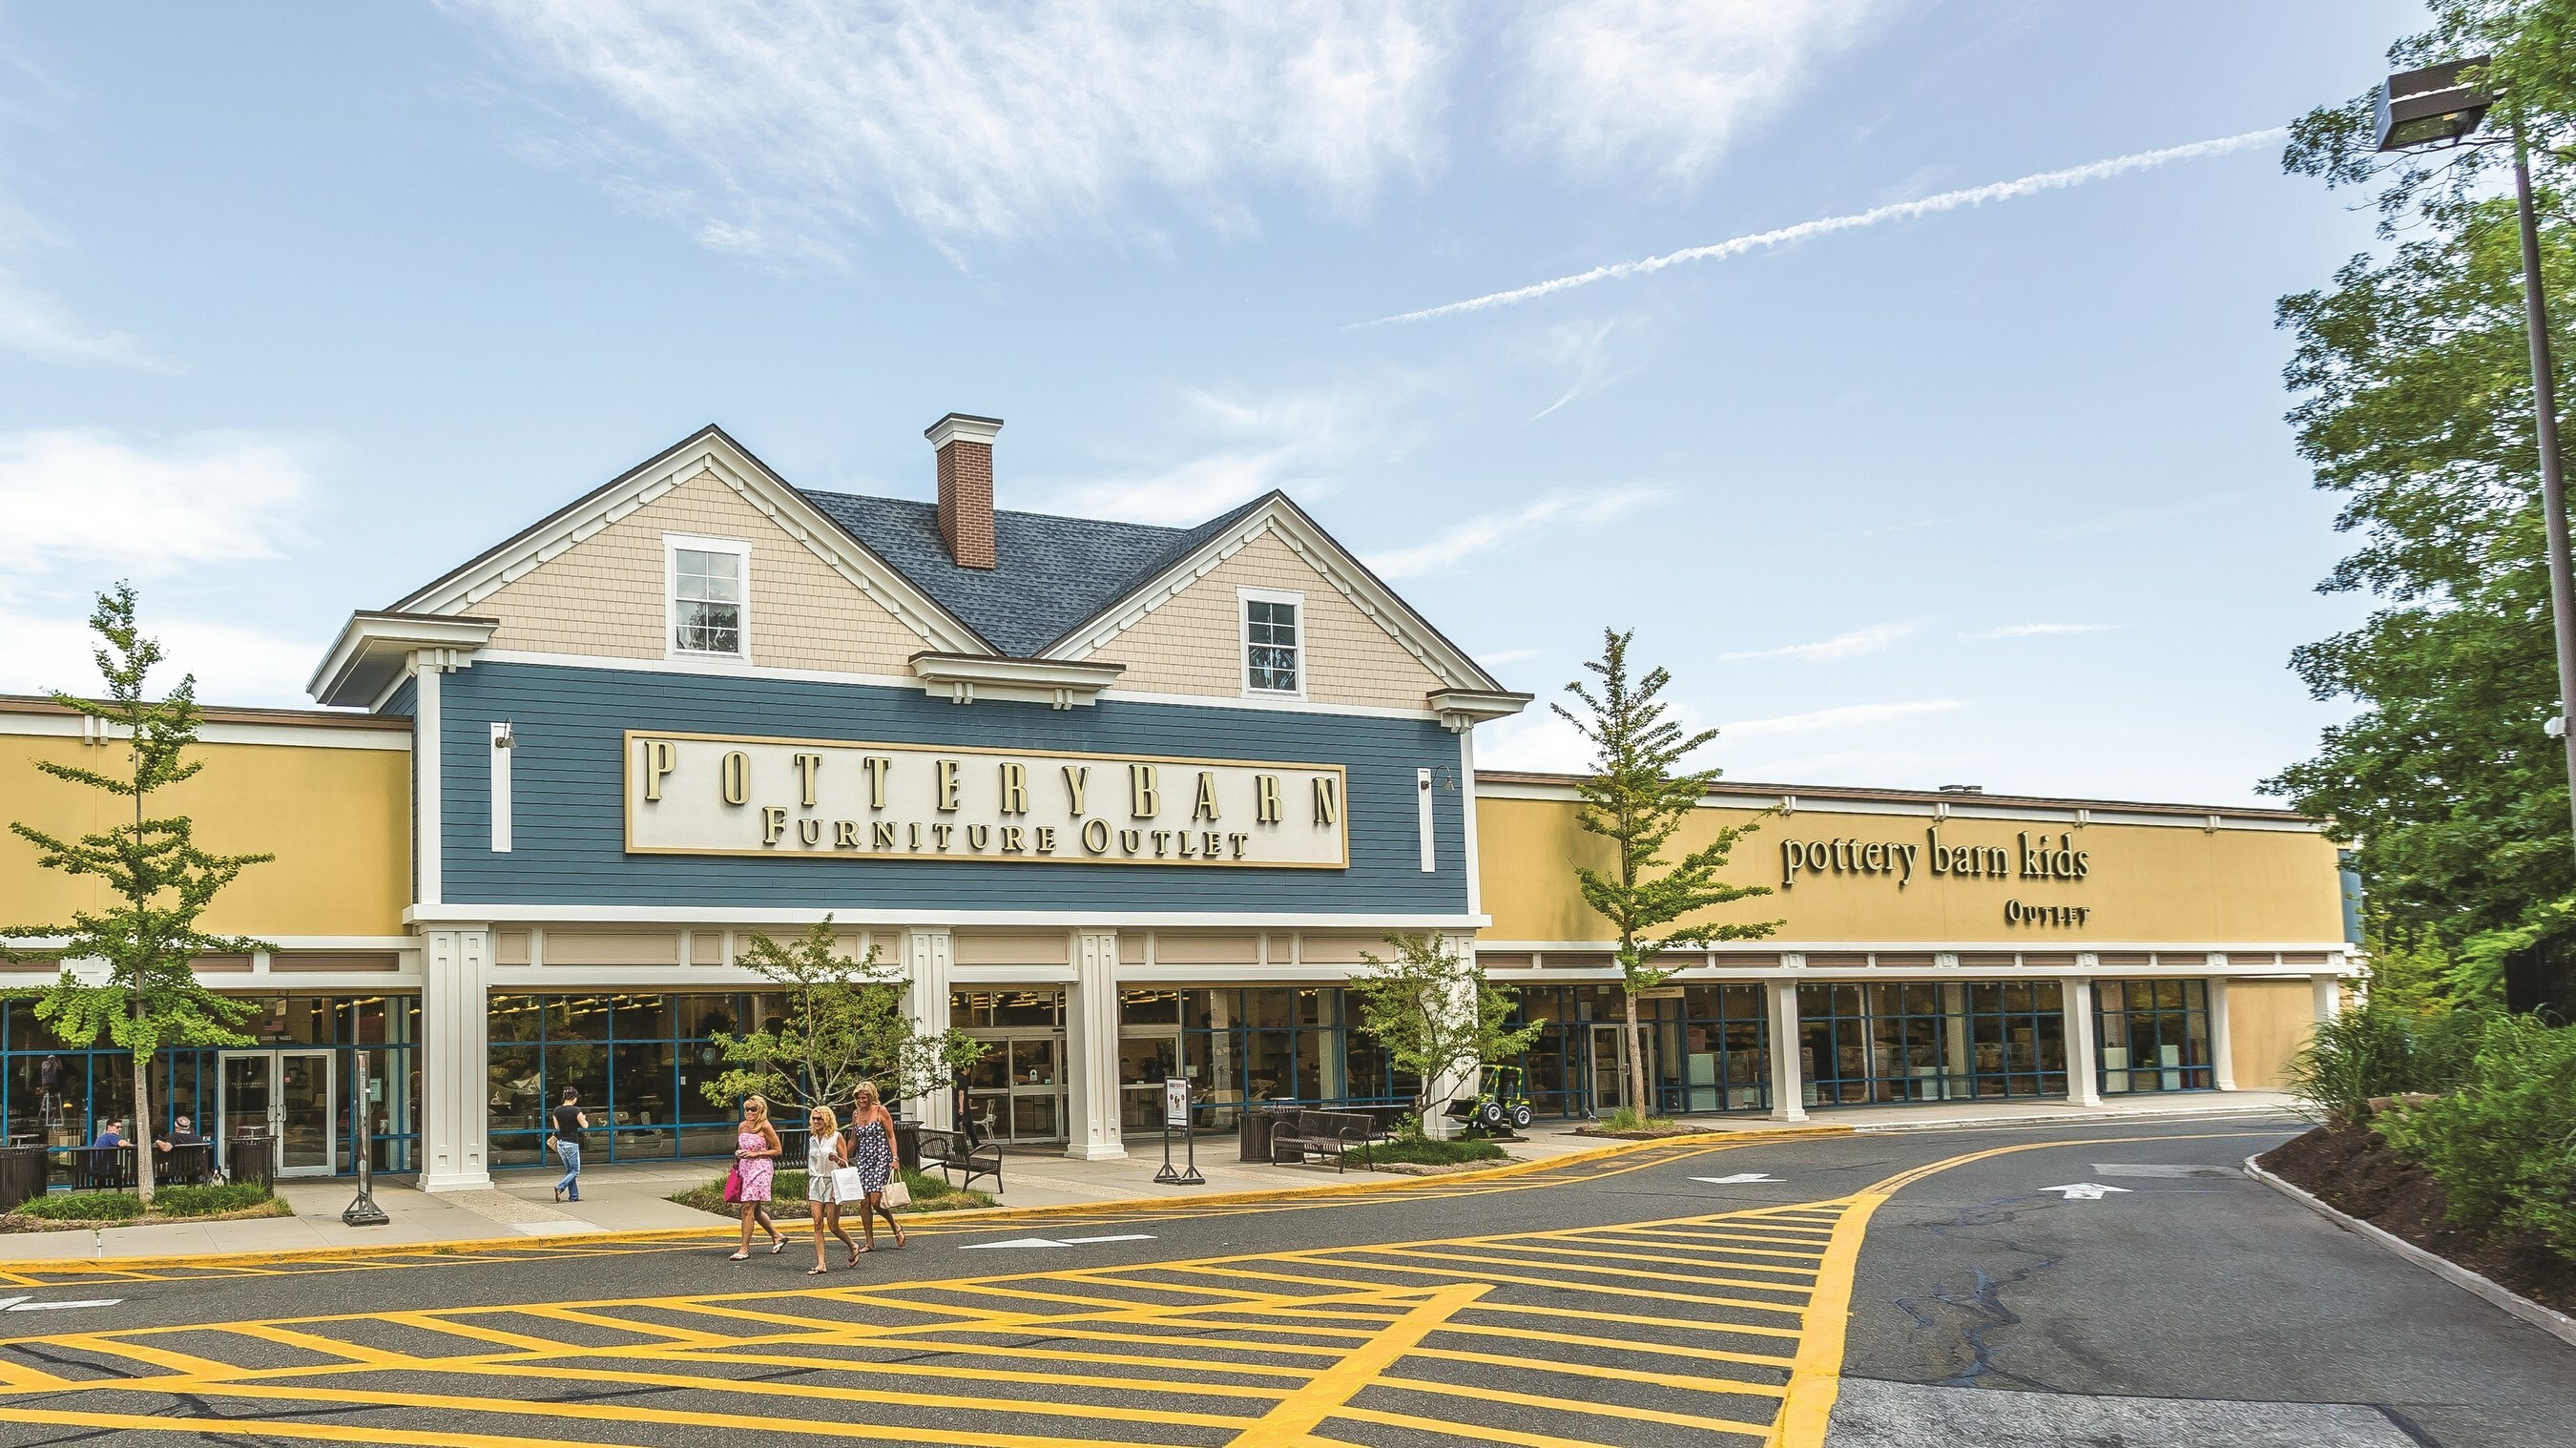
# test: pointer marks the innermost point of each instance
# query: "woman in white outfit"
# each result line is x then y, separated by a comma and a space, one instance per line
823, 1156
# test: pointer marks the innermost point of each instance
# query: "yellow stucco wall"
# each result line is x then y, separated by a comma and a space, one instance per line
2144, 883
338, 821
2267, 1022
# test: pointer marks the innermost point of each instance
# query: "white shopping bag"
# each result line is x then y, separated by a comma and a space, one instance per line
847, 1185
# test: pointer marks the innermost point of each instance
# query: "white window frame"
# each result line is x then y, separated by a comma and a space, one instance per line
1244, 598
672, 543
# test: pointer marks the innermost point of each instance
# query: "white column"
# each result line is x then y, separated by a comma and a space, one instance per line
1955, 1043
2083, 1080
1463, 1077
2222, 1054
1467, 818
1091, 1048
1788, 1090
456, 974
424, 778
2329, 993
926, 954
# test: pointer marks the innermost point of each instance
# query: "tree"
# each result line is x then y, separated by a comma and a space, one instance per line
2417, 411
1637, 798
1434, 1010
162, 879
844, 1023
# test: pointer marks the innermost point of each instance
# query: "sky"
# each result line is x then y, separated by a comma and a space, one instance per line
1902, 372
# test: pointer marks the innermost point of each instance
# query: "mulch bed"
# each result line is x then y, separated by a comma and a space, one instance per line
2353, 1170
1647, 1133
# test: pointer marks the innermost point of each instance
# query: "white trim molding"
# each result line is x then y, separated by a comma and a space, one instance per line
966, 678
376, 650
1463, 709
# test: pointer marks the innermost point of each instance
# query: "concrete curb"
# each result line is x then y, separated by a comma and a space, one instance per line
2116, 1118
2549, 1320
982, 1218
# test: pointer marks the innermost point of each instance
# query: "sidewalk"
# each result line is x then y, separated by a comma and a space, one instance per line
633, 1197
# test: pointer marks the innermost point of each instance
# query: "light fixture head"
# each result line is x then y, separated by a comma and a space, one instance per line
2429, 107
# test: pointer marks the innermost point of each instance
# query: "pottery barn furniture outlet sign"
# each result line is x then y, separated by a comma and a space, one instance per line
724, 794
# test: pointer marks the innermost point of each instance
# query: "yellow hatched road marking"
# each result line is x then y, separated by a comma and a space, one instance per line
1628, 1411
314, 1342
288, 1428
1786, 1309
459, 1326
980, 1374
1624, 1344
1503, 1257
1483, 1431
628, 1324
1717, 1242
1304, 1410
1683, 1381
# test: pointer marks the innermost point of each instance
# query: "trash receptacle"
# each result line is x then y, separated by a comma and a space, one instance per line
1257, 1124
252, 1159
22, 1175
907, 1145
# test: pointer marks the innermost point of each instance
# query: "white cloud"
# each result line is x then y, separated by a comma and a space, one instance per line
1671, 85
84, 496
40, 325
1254, 444
1859, 642
1488, 532
1848, 716
1535, 739
779, 127
2038, 630
233, 665
2031, 185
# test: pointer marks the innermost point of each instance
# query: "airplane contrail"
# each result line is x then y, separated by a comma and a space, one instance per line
1895, 211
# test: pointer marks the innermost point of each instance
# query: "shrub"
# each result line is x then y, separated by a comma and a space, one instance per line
83, 1207
208, 1201
2379, 1048
2502, 1142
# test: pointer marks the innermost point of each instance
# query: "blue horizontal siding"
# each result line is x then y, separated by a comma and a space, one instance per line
568, 825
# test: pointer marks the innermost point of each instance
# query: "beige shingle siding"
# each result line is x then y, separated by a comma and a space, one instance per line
1193, 644
603, 596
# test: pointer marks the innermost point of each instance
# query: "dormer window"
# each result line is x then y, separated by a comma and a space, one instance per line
709, 578
1273, 648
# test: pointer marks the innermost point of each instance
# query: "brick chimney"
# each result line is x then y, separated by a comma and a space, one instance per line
966, 486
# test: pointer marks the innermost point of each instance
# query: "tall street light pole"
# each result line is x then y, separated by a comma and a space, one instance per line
2431, 107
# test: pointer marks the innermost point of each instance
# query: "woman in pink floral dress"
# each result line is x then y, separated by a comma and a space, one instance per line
755, 1160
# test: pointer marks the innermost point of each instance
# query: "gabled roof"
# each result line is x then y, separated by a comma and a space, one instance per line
1050, 573
1063, 587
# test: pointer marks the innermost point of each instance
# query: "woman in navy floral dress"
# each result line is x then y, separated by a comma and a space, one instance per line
871, 1147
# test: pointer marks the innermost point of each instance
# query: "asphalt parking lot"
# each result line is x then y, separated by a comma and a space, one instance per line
1918, 1287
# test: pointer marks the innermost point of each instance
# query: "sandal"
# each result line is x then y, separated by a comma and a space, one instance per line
813, 1271
777, 1245
739, 1257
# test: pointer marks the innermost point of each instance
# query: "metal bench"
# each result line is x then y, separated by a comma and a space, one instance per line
960, 1163
1323, 1133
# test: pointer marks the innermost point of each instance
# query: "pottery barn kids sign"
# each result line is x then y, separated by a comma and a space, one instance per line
716, 794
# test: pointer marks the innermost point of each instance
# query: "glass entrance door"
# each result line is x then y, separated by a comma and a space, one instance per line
1609, 1070
285, 1096
1146, 1058
1016, 1092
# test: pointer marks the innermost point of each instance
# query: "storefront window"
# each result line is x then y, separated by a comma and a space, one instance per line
641, 1062
2017, 1038
2154, 1035
52, 1094
1718, 1044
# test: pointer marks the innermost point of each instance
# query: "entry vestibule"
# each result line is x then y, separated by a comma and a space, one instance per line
285, 1096
1015, 1092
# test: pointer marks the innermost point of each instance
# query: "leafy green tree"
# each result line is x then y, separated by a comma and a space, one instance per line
2416, 410
1435, 1011
1637, 798
163, 881
844, 1024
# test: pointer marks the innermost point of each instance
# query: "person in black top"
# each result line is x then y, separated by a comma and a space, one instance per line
569, 1125
183, 1134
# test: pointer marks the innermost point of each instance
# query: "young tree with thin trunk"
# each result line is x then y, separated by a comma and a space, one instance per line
162, 881
844, 1023
1637, 798
1435, 1011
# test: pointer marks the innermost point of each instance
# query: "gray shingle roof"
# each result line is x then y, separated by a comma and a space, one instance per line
1052, 574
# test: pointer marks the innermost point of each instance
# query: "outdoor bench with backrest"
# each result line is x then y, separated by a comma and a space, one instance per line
948, 1151
1324, 1133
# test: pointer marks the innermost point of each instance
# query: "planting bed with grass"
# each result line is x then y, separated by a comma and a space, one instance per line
82, 1211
